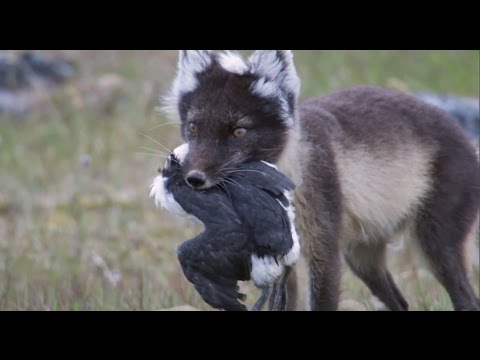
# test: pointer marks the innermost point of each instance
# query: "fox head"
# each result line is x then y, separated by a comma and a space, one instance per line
233, 110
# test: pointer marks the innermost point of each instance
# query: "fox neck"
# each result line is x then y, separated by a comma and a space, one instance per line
290, 160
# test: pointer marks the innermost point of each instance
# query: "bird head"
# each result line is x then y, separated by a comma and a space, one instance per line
173, 165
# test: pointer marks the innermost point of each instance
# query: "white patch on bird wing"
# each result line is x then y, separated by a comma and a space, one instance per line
265, 271
293, 255
270, 164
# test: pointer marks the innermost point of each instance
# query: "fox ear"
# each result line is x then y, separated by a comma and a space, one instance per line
190, 63
194, 60
276, 71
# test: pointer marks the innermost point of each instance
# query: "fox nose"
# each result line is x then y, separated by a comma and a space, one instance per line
196, 178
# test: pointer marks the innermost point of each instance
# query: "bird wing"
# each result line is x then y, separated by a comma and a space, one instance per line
214, 262
267, 220
260, 199
264, 176
211, 206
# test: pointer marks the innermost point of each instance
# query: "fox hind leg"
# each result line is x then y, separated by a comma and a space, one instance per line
367, 261
445, 221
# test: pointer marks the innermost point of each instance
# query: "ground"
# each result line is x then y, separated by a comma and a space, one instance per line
77, 228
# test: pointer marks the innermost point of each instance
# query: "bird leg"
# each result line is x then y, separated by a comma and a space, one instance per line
278, 300
266, 292
274, 295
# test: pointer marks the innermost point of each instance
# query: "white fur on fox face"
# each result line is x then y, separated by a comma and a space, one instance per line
276, 66
278, 78
190, 63
181, 152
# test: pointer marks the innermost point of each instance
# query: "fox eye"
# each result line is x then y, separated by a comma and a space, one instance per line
193, 128
239, 132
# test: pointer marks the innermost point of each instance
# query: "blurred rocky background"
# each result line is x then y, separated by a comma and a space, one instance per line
31, 82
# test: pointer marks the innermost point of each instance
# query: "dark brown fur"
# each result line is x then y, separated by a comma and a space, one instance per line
217, 110
383, 119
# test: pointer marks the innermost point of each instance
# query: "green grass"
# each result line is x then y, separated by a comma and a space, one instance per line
66, 228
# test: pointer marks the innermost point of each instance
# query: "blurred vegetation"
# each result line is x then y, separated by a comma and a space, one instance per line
77, 229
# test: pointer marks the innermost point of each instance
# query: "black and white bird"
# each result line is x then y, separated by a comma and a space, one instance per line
249, 231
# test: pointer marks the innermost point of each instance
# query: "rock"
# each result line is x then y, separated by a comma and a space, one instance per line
85, 160
27, 79
31, 83
33, 69
12, 76
53, 71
